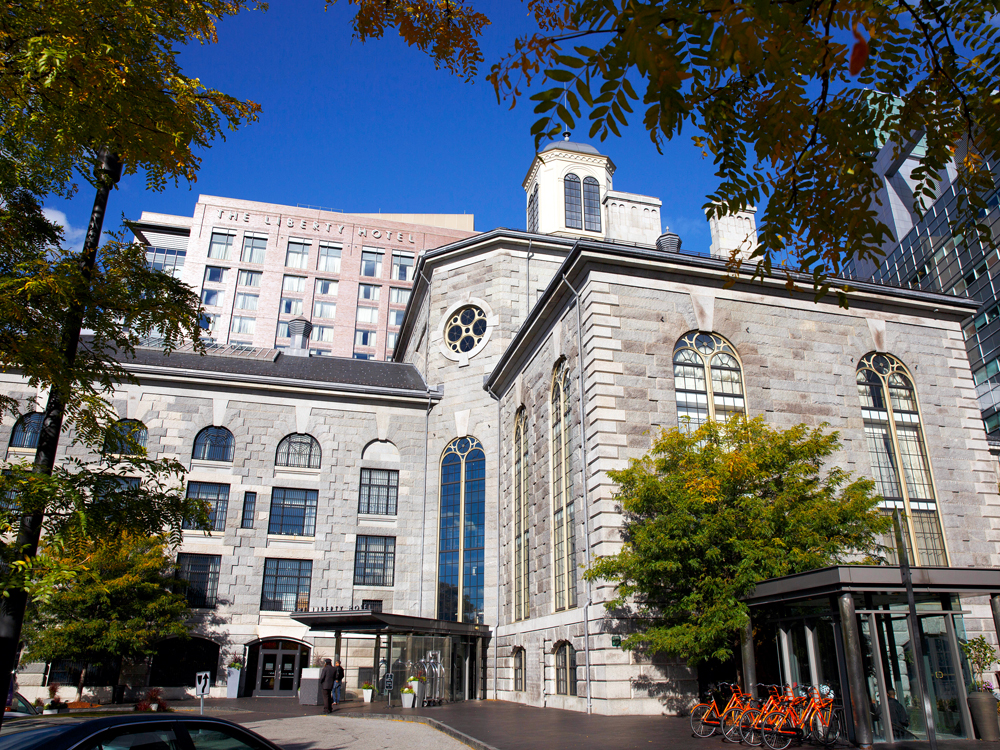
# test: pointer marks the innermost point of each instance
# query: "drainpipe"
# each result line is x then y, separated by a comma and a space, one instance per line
496, 646
583, 471
427, 418
527, 283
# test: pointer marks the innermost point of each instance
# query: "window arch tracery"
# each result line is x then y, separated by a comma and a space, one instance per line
461, 581
214, 444
563, 505
298, 451
26, 431
126, 437
522, 589
701, 359
895, 437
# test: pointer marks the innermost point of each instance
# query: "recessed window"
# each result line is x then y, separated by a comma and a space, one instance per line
379, 492
374, 560
700, 359
249, 278
220, 245
566, 670
329, 258
26, 431
322, 333
591, 204
368, 315
519, 669
217, 497
364, 338
170, 262
461, 575
290, 306
320, 353
282, 329
293, 512
402, 266
244, 325
533, 210
371, 263
249, 508
201, 572
286, 585
390, 340
298, 451
211, 297
293, 283
253, 248
326, 287
297, 255
398, 296
465, 329
126, 437
563, 501
215, 275
574, 202
522, 485
324, 309
369, 292
396, 317
246, 301
363, 355
214, 444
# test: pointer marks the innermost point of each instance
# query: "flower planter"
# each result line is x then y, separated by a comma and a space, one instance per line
60, 710
233, 682
368, 695
983, 707
408, 699
418, 690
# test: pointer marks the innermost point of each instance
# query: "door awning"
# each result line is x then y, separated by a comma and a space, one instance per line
366, 621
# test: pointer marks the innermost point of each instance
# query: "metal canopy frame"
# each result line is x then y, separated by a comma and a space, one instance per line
366, 621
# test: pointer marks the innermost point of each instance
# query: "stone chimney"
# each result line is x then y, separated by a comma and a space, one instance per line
299, 330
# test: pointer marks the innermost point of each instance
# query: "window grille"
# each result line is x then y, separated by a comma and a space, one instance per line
202, 575
374, 560
249, 509
286, 585
214, 444
379, 492
217, 497
298, 451
293, 512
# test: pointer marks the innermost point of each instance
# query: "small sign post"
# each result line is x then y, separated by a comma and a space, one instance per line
388, 688
201, 684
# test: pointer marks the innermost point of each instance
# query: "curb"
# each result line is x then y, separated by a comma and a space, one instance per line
438, 725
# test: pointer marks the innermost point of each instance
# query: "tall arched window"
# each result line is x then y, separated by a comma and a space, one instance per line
563, 515
126, 437
533, 210
700, 359
463, 537
298, 451
214, 444
522, 590
565, 669
591, 205
896, 441
26, 431
518, 669
574, 202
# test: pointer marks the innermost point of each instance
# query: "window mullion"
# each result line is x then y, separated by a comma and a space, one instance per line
904, 490
709, 387
461, 537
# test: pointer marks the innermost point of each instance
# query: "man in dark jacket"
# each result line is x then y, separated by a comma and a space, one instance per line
326, 682
338, 682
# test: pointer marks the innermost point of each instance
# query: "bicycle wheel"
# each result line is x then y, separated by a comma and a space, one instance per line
700, 716
749, 731
731, 723
833, 730
777, 730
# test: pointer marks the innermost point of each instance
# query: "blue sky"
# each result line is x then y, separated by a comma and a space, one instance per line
375, 127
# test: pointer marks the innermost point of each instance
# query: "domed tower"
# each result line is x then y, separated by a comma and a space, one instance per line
566, 187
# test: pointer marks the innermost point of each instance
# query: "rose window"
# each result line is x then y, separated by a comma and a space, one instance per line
465, 329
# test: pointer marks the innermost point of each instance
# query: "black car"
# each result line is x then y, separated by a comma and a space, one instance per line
135, 732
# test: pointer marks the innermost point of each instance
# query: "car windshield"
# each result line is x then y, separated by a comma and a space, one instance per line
32, 738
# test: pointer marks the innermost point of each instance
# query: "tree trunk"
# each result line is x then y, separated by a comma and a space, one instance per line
79, 686
13, 608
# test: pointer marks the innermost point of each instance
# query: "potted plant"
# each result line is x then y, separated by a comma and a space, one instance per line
417, 683
366, 690
982, 703
54, 705
233, 672
408, 697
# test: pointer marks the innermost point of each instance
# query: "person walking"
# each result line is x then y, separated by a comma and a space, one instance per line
338, 682
326, 683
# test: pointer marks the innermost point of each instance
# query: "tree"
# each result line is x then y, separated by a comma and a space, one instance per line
117, 610
708, 515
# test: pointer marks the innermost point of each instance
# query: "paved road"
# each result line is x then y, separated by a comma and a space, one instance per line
338, 733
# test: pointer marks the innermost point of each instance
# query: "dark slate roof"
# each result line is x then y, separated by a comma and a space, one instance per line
354, 373
582, 148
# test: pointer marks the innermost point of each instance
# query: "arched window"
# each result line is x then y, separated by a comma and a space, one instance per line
565, 669
126, 437
563, 510
574, 202
591, 205
214, 444
896, 442
298, 451
522, 598
26, 431
518, 670
533, 210
462, 540
699, 359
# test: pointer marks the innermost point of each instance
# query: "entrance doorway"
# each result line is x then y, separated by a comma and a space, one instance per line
279, 665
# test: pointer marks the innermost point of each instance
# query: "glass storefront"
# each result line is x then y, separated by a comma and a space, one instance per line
449, 665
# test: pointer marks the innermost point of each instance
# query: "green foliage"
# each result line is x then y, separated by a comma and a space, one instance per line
981, 654
710, 514
770, 95
121, 605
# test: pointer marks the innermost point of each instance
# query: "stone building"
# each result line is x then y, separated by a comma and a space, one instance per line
452, 497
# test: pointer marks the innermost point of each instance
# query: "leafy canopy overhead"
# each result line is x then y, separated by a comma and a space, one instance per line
710, 514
